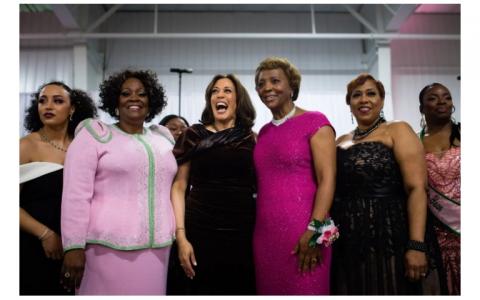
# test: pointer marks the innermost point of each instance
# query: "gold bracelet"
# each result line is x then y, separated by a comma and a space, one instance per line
44, 234
180, 228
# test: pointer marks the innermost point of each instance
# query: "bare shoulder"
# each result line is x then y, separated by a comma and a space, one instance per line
343, 138
397, 127
28, 145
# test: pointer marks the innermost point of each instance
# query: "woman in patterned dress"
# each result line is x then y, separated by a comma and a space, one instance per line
441, 139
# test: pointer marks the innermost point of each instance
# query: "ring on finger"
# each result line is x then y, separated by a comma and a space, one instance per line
314, 260
66, 275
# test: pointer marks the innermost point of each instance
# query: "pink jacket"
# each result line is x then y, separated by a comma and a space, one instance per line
116, 188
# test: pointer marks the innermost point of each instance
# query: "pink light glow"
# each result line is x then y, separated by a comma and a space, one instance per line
438, 8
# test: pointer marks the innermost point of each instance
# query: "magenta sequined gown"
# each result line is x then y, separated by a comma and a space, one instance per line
286, 193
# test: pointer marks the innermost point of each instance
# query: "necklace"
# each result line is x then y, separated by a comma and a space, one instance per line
360, 134
45, 139
285, 118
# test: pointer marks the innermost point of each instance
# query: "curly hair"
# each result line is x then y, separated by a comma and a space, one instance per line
292, 73
167, 119
245, 113
110, 92
360, 80
84, 108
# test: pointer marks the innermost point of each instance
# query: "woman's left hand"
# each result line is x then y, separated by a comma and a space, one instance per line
308, 257
416, 266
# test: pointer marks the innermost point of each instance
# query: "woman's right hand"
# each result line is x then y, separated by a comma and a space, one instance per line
72, 269
52, 246
186, 256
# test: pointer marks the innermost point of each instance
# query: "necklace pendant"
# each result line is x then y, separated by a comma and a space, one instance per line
47, 140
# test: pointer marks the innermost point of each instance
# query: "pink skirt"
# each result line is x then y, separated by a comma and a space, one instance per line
115, 272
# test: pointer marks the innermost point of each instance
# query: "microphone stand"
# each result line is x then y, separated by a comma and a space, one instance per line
180, 72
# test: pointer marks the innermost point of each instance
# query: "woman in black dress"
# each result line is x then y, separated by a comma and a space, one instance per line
380, 202
215, 221
55, 111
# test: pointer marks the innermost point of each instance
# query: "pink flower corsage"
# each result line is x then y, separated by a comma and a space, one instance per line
325, 232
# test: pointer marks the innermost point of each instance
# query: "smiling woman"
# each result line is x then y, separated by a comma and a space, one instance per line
214, 196
295, 166
117, 218
380, 204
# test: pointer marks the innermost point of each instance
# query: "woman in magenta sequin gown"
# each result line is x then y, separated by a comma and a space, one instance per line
290, 158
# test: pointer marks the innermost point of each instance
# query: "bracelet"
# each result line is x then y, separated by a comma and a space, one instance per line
325, 232
180, 228
44, 234
417, 245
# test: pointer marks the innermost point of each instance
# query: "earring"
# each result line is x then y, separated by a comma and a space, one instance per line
382, 115
453, 109
70, 118
117, 113
291, 95
351, 116
423, 123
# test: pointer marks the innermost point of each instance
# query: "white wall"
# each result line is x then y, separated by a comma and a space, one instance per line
416, 64
326, 65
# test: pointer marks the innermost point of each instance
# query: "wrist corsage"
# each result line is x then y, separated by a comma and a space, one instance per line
325, 232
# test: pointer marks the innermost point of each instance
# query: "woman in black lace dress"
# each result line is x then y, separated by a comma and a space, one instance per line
214, 254
380, 201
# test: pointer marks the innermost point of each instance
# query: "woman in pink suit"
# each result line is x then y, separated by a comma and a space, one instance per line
295, 165
117, 219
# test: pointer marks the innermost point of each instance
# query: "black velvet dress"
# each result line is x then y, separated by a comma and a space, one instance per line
41, 198
370, 208
219, 212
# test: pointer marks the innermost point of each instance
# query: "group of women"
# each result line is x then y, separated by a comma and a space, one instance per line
214, 208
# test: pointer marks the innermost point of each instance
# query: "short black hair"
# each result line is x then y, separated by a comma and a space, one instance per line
245, 114
167, 119
426, 89
84, 108
455, 134
110, 92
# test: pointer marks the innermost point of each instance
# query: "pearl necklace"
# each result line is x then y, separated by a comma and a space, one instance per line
285, 118
360, 134
46, 139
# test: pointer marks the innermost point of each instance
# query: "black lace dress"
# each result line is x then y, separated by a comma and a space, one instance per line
370, 208
219, 212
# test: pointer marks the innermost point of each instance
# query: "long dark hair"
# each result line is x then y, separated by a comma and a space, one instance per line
245, 114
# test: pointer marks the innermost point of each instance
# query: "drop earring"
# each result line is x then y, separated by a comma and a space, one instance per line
117, 113
351, 116
423, 123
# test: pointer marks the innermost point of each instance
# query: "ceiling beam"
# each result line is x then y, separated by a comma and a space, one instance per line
360, 18
293, 36
65, 16
401, 15
104, 17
